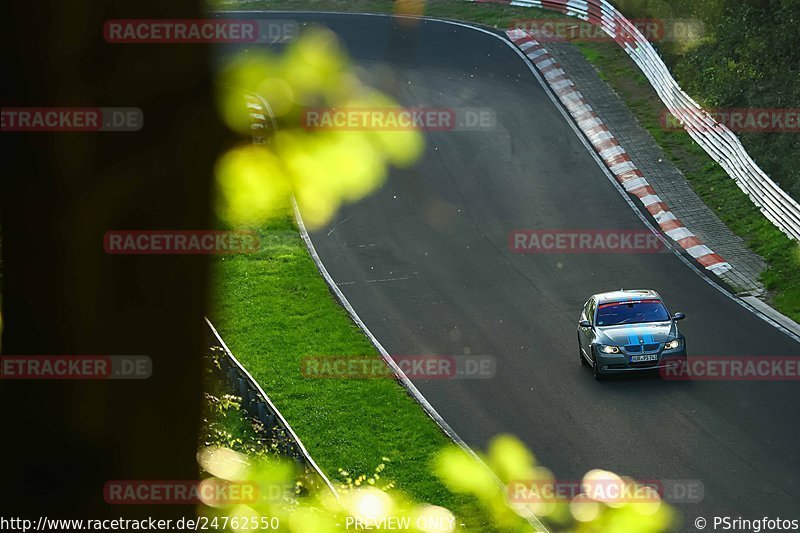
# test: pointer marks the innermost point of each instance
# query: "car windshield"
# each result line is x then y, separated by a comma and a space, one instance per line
631, 312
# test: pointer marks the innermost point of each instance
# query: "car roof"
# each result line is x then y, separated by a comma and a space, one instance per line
624, 295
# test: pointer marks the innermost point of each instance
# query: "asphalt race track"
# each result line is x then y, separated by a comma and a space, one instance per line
425, 263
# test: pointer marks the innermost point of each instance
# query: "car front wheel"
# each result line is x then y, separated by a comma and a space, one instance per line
596, 372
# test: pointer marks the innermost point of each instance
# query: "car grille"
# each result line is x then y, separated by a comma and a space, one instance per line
639, 348
643, 364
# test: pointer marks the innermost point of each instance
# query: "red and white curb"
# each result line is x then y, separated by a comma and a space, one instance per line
615, 157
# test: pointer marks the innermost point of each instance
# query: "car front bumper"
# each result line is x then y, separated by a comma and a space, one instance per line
620, 363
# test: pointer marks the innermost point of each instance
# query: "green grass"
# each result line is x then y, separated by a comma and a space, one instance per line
273, 309
706, 177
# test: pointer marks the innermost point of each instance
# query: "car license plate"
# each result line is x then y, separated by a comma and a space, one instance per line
644, 358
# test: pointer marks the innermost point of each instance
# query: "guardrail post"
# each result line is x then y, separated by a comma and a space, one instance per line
243, 389
262, 412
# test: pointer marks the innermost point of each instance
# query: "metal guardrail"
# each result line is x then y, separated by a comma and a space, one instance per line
258, 405
716, 139
262, 119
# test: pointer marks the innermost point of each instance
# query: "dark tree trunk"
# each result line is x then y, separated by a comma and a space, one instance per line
62, 294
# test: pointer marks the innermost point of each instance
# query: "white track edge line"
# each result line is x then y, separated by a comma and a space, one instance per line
401, 376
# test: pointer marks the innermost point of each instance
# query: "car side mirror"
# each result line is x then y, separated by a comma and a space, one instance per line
679, 316
585, 324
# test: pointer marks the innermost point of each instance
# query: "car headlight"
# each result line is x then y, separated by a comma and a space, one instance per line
671, 345
605, 348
